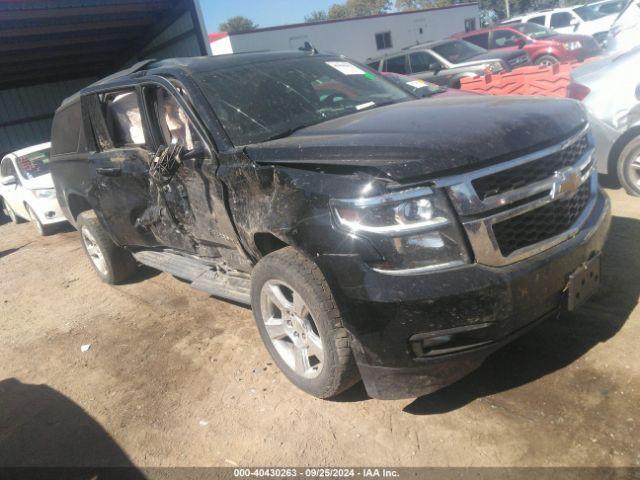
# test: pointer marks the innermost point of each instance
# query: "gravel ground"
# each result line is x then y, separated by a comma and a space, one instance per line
175, 378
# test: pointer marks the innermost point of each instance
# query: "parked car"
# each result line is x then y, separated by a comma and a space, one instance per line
447, 61
373, 236
27, 190
582, 19
423, 89
625, 32
544, 46
610, 89
609, 7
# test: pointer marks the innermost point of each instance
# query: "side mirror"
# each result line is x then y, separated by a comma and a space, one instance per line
435, 67
10, 180
520, 42
575, 23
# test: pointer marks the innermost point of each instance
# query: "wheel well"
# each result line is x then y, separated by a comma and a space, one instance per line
617, 148
77, 205
267, 243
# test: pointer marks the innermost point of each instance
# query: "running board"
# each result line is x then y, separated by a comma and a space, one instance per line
217, 281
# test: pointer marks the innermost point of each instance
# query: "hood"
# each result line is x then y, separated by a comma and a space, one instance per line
568, 37
41, 182
601, 24
425, 138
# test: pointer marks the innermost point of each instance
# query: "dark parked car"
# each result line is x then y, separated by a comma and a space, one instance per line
423, 89
544, 46
447, 61
374, 235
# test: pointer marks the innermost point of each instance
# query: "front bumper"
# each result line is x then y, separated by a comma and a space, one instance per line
48, 210
383, 312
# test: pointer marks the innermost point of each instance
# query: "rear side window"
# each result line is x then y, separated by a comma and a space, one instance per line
66, 130
396, 65
539, 20
123, 118
481, 40
561, 19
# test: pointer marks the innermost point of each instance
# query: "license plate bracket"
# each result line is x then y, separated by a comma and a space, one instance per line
583, 283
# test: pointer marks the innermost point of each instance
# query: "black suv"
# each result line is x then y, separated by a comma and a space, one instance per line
375, 235
448, 61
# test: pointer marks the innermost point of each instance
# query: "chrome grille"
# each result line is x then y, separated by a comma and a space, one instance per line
542, 223
522, 175
518, 208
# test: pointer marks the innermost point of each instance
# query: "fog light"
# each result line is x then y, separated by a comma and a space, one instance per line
452, 340
50, 214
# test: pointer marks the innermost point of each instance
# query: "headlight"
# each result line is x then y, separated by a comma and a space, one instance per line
48, 193
414, 230
572, 45
495, 67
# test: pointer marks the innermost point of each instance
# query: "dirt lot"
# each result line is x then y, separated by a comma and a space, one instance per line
174, 377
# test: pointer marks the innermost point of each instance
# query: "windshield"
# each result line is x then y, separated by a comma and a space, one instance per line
262, 101
34, 164
534, 30
588, 13
458, 51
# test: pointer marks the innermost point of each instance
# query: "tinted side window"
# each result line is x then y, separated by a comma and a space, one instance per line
504, 38
539, 20
124, 122
481, 40
422, 62
6, 168
396, 65
66, 129
561, 19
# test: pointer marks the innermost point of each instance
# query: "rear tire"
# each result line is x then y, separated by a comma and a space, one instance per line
41, 229
302, 319
546, 60
629, 167
112, 263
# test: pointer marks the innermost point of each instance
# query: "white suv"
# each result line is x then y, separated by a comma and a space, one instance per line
583, 19
625, 32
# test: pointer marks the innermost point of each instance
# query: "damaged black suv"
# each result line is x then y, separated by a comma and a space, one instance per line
375, 235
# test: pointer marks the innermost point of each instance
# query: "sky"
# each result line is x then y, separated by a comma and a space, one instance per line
266, 13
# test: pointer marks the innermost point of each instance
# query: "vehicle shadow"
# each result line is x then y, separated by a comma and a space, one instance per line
142, 273
40, 427
9, 251
557, 342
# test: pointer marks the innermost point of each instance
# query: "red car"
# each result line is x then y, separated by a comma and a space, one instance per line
544, 46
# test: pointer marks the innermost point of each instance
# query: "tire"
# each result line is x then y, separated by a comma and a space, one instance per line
12, 215
336, 371
629, 167
112, 263
546, 60
43, 230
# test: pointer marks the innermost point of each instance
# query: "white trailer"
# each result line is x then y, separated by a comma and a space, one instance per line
358, 38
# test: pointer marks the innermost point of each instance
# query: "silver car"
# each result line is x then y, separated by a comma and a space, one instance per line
610, 90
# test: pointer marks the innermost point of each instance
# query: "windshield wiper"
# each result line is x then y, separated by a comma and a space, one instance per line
289, 131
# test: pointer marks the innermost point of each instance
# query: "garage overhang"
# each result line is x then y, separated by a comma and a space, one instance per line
49, 41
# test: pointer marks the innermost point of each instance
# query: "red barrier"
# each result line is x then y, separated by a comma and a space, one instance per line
536, 80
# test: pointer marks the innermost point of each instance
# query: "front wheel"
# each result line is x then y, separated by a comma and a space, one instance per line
112, 263
41, 229
546, 60
301, 325
12, 215
629, 167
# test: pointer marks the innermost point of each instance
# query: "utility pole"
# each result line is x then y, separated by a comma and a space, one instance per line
506, 6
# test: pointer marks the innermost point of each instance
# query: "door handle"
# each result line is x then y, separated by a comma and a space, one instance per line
109, 172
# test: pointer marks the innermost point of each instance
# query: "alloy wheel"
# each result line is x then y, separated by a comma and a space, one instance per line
633, 171
94, 251
291, 328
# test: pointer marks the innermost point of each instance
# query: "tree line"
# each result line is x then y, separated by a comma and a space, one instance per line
490, 10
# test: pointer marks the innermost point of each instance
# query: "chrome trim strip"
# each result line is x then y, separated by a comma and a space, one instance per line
419, 270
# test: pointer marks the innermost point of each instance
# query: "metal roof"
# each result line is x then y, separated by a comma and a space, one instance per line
47, 41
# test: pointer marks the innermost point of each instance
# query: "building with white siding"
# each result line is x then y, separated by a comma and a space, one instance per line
358, 38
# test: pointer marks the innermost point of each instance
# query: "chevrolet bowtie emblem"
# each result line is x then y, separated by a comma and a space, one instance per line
565, 183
